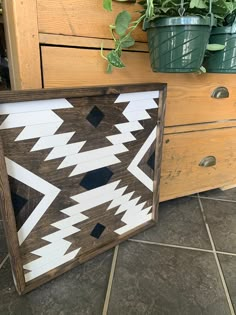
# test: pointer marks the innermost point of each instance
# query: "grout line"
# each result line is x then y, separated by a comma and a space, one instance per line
225, 253
110, 281
217, 260
181, 247
4, 260
216, 199
170, 245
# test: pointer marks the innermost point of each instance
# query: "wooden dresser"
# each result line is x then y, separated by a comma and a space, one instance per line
55, 43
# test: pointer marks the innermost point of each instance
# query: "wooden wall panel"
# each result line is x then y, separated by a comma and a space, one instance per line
21, 29
81, 18
189, 95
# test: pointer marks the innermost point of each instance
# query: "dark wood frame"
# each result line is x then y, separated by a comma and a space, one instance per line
5, 196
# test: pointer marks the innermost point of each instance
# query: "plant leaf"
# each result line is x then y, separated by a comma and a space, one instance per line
109, 68
200, 4
122, 22
107, 5
215, 47
114, 59
128, 42
202, 69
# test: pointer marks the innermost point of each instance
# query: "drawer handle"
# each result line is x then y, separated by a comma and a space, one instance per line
208, 161
220, 92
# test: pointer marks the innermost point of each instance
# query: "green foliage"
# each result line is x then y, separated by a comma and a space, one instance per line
215, 47
122, 22
121, 33
107, 5
223, 11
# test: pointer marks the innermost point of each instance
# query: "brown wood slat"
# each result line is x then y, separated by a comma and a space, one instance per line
81, 18
53, 93
10, 225
87, 42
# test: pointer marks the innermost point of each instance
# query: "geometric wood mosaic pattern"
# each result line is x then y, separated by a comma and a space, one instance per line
83, 174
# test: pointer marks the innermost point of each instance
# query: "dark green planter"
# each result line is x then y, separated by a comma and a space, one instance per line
177, 44
223, 61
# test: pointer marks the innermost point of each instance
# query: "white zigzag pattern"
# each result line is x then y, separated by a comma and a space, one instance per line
106, 156
44, 124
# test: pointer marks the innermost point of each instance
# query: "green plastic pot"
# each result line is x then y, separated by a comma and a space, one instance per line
177, 44
222, 61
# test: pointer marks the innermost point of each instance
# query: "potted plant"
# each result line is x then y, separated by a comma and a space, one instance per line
224, 60
178, 32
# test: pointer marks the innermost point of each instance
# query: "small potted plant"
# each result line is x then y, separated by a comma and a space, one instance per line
178, 32
224, 34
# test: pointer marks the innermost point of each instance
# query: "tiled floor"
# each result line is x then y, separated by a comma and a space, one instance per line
185, 265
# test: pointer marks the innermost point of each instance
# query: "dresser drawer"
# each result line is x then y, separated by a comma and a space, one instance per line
182, 153
188, 98
81, 17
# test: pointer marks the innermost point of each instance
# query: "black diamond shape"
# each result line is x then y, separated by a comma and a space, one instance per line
95, 116
97, 230
151, 161
18, 202
96, 178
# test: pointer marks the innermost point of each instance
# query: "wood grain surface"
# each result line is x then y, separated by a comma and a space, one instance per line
83, 18
21, 30
77, 187
182, 153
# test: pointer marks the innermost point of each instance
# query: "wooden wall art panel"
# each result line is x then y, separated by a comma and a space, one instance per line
80, 172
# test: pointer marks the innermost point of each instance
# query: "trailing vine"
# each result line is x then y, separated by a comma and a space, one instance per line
124, 26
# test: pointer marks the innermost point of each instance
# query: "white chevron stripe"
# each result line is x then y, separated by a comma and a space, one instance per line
52, 141
136, 221
133, 167
29, 119
133, 211
61, 250
28, 178
121, 200
140, 105
95, 164
71, 211
87, 156
50, 265
127, 205
53, 237
69, 221
134, 214
129, 126
92, 203
94, 193
37, 131
33, 106
128, 97
138, 115
121, 138
65, 150
52, 249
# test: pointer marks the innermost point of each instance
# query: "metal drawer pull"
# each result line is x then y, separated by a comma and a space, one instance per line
220, 92
208, 161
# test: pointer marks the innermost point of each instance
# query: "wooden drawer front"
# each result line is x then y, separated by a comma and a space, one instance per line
188, 99
181, 173
81, 17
